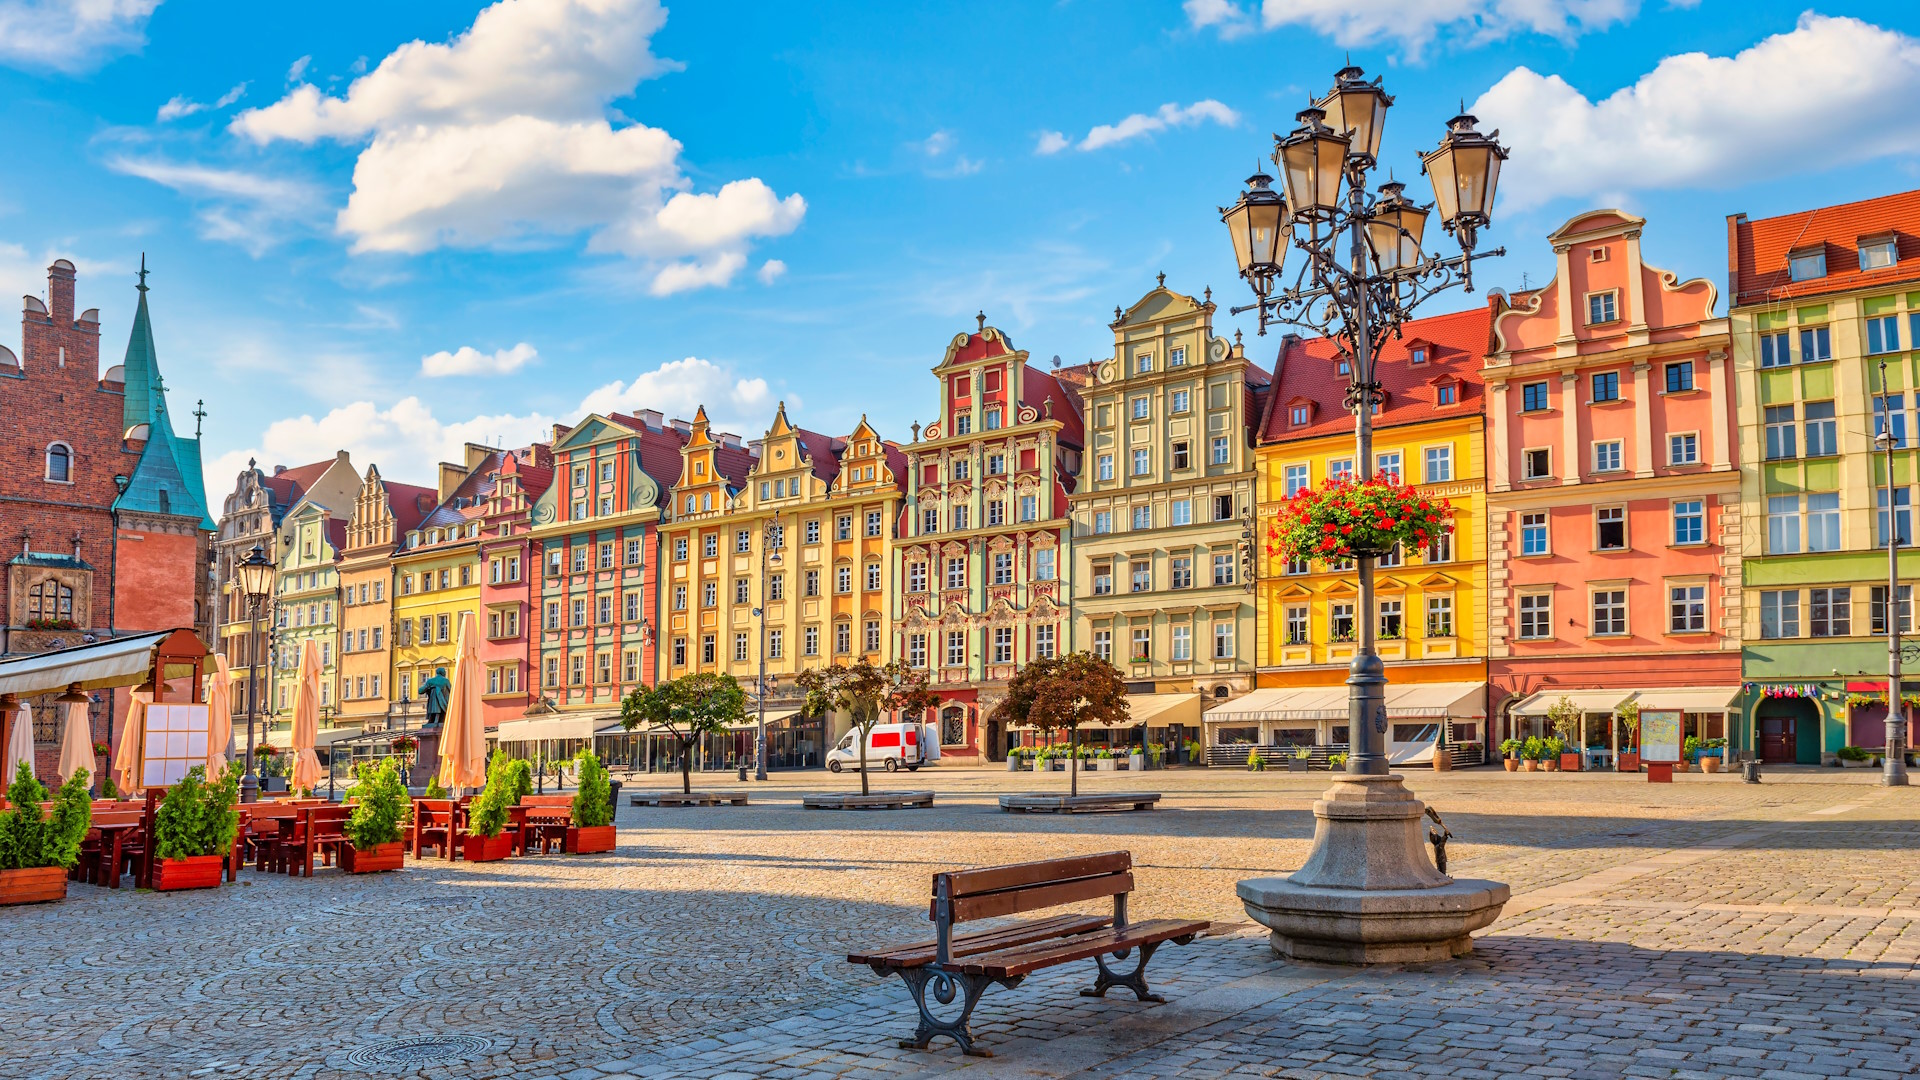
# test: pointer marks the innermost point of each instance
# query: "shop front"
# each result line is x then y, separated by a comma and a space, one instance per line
1419, 716
1601, 730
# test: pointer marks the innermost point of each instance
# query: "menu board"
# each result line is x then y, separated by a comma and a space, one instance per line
176, 742
1659, 735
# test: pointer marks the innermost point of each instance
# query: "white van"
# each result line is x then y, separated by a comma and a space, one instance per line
889, 746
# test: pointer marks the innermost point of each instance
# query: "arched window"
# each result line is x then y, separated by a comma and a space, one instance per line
60, 463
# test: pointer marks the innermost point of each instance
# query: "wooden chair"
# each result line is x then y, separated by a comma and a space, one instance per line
101, 853
546, 821
317, 831
436, 824
265, 822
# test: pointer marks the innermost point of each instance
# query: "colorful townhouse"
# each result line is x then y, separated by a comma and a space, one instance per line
384, 513
306, 605
1163, 526
1614, 525
987, 533
593, 536
1429, 604
436, 577
508, 610
1820, 300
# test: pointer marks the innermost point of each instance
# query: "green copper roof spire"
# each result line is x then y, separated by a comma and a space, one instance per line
168, 477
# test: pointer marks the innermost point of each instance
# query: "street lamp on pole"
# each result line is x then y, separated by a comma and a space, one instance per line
771, 541
255, 577
1894, 768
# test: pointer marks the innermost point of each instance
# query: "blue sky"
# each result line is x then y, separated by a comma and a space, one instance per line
607, 204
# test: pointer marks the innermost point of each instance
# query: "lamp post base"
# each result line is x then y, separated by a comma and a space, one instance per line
249, 788
1368, 894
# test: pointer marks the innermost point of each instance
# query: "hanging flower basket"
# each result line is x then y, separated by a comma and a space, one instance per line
1346, 518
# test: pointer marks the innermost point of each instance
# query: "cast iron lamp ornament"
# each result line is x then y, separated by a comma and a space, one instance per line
1360, 297
1893, 766
254, 574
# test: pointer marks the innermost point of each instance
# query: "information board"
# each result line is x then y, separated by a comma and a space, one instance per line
1659, 735
176, 742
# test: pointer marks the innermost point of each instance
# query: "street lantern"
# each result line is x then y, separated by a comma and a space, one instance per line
1394, 230
255, 575
1465, 170
1311, 161
1357, 109
1257, 222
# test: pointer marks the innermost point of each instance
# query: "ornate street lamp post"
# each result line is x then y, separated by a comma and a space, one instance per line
1893, 770
772, 539
1364, 272
255, 577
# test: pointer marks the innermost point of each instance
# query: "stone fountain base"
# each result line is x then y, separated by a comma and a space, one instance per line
1368, 894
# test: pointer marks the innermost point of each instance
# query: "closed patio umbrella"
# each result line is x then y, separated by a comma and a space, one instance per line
306, 718
219, 715
19, 744
463, 739
76, 741
129, 762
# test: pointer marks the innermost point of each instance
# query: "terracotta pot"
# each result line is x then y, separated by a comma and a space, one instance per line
1629, 761
1512, 763
1710, 764
34, 885
381, 857
193, 872
1570, 762
1533, 765
1442, 759
589, 839
1551, 764
488, 848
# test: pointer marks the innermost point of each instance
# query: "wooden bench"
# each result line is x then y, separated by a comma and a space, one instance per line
697, 798
892, 800
317, 830
968, 963
1077, 804
547, 818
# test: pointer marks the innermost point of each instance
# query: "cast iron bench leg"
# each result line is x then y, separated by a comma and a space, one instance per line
1135, 980
944, 985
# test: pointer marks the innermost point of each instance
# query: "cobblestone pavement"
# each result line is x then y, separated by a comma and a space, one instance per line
1706, 928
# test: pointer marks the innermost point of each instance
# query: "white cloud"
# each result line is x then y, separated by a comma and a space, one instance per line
231, 96
298, 69
937, 143
236, 206
679, 387
1414, 24
1140, 125
71, 36
468, 360
180, 105
771, 271
504, 136
1699, 120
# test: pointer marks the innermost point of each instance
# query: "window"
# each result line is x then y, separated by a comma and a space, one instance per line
1180, 572
1002, 568
956, 648
1896, 406
1029, 508
917, 650
1142, 578
1878, 254
739, 646
1807, 265
1102, 521
605, 607
1536, 464
1180, 512
1446, 394
1300, 415
961, 517
741, 591
956, 573
1417, 354
553, 614
1686, 609
1610, 528
1180, 400
1679, 376
1103, 644
963, 424
1043, 565
679, 549
873, 522
604, 668
1683, 449
1606, 456
1823, 521
776, 644
1439, 616
1536, 616
1773, 350
1390, 622
1609, 612
1830, 612
1143, 363
1902, 515
1296, 480
872, 632
1180, 458
1142, 517
1783, 525
1223, 641
1222, 507
710, 594
1222, 451
810, 641
917, 577
992, 418
1181, 645
679, 656
1003, 644
929, 520
1602, 308
709, 649
606, 505
1340, 621
679, 598
1689, 521
1883, 334
1141, 461
1533, 533
1223, 569
59, 463
776, 587
579, 565
843, 579
1105, 466
1340, 470
1816, 343
1296, 624
1103, 579
1780, 613
742, 541
1877, 609
1439, 548
1780, 432
961, 468
578, 673
1823, 438
1533, 397
873, 577
810, 583
1043, 642
1138, 409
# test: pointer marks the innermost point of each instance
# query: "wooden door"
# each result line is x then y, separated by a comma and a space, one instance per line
1778, 739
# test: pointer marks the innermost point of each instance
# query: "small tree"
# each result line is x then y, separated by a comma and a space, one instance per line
592, 796
1065, 692
1629, 715
867, 692
1563, 717
487, 814
687, 707
382, 803
197, 816
29, 840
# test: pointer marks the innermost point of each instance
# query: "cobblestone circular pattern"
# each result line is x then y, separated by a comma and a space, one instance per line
417, 1052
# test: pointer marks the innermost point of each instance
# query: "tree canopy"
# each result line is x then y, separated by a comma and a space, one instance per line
687, 707
1065, 692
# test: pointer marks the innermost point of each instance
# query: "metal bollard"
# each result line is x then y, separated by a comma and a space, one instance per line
743, 772
1750, 769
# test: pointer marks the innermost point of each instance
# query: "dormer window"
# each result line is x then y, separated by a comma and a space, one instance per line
1300, 415
1418, 354
1807, 265
1878, 253
1342, 367
1447, 393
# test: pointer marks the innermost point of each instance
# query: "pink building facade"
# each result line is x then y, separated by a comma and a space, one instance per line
1614, 496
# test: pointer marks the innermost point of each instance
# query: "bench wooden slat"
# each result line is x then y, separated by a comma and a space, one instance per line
1014, 901
1045, 871
546, 800
1024, 959
921, 953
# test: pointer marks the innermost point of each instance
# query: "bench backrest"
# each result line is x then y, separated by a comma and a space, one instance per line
546, 800
993, 891
116, 817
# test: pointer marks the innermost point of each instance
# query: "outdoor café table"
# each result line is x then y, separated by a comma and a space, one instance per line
114, 828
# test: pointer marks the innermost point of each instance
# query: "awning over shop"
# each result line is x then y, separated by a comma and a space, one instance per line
1283, 703
125, 661
1707, 699
1432, 701
1159, 710
1596, 701
542, 728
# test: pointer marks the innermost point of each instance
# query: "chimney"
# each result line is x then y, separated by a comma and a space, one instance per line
278, 469
60, 292
653, 418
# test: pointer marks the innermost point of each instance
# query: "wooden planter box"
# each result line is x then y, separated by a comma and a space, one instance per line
35, 885
381, 857
1570, 762
193, 872
1629, 761
1299, 764
590, 839
488, 848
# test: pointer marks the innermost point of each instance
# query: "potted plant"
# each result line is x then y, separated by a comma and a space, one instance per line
1255, 763
1351, 517
592, 829
37, 851
486, 839
267, 760
1195, 755
1854, 757
1564, 717
1532, 750
193, 830
1336, 762
1629, 758
373, 829
1553, 751
1137, 759
1157, 755
1013, 760
1711, 754
1300, 760
1510, 754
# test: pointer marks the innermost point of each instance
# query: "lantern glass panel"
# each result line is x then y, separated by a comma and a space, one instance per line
1446, 193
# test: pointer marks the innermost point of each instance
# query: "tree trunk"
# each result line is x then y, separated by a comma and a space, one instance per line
865, 732
686, 766
1073, 761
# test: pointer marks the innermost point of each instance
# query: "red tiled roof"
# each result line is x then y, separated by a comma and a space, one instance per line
1757, 250
337, 535
659, 451
1042, 386
289, 484
823, 451
410, 504
1457, 343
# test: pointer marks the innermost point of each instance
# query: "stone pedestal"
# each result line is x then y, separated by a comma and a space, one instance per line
1368, 894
